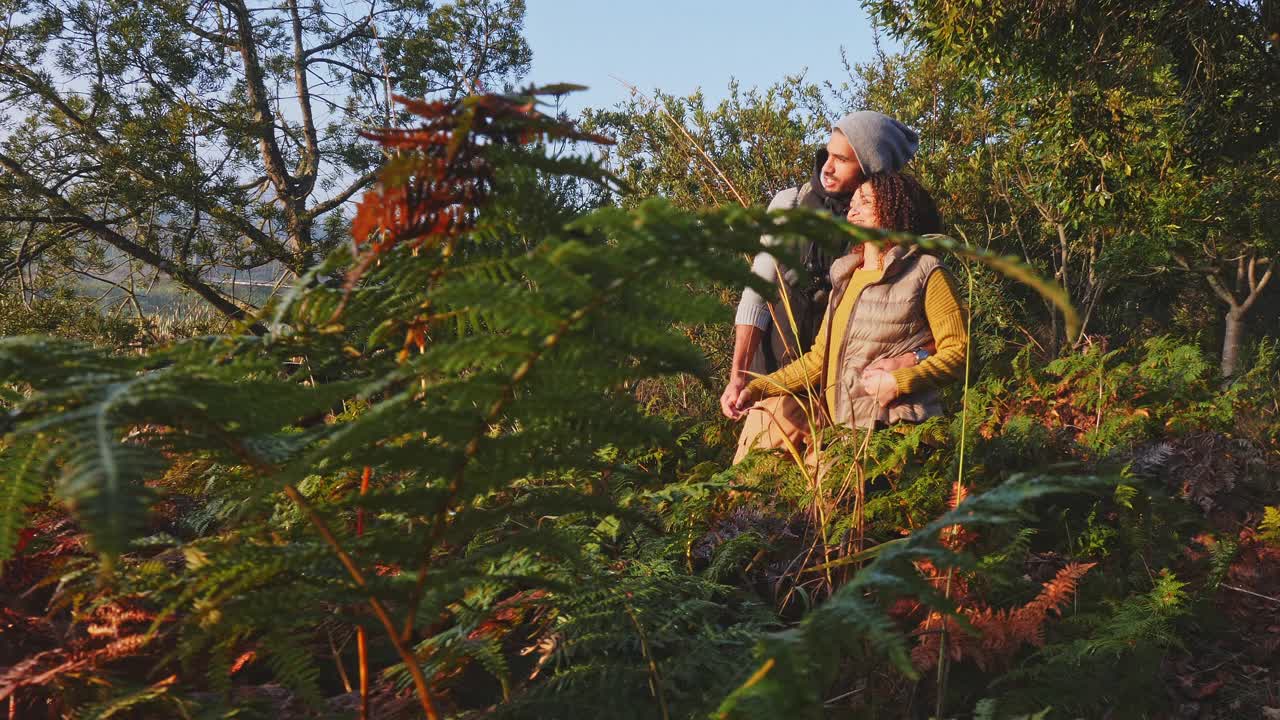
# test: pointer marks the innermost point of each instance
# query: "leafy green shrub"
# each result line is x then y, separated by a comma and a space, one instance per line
65, 314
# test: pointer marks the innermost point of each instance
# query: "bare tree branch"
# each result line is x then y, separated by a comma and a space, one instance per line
256, 182
351, 68
44, 219
359, 184
345, 37
124, 244
1215, 283
1255, 292
259, 100
213, 37
110, 150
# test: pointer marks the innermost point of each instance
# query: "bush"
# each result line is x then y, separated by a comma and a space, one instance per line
65, 314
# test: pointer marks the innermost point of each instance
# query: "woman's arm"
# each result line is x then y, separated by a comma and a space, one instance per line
947, 322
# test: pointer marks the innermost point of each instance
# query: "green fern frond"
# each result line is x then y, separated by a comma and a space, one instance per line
293, 665
1269, 528
800, 662
731, 556
1142, 619
19, 489
103, 482
985, 709
130, 702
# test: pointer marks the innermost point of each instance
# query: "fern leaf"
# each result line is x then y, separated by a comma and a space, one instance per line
102, 481
1269, 528
293, 666
130, 701
19, 488
985, 709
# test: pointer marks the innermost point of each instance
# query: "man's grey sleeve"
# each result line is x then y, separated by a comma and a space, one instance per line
753, 309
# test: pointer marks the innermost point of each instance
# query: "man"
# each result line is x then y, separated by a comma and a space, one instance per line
861, 144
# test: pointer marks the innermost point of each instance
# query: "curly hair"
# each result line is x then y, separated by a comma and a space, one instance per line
903, 204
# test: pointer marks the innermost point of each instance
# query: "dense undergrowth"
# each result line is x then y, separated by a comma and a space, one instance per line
489, 482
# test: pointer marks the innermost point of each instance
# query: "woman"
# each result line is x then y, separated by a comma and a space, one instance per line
894, 331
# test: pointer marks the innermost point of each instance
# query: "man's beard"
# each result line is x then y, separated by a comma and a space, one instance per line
833, 200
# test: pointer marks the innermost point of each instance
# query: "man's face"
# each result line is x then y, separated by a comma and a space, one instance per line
842, 171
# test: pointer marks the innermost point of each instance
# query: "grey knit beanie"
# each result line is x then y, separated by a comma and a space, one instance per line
882, 143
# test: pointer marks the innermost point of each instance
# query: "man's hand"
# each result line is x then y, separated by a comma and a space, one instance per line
746, 340
880, 385
729, 398
743, 403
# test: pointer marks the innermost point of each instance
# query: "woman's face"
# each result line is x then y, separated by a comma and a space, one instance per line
862, 208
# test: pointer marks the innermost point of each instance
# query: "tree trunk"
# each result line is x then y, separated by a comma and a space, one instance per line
1231, 341
1247, 284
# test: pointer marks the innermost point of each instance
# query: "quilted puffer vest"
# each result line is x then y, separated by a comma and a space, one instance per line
887, 320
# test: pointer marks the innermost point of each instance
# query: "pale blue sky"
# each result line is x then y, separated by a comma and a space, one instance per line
681, 45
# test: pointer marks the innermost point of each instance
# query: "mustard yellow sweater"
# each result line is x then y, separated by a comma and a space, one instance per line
946, 321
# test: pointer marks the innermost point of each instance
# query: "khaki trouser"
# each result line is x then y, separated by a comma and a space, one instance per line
770, 424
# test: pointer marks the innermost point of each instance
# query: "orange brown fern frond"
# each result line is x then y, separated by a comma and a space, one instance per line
440, 172
1058, 591
999, 633
955, 537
